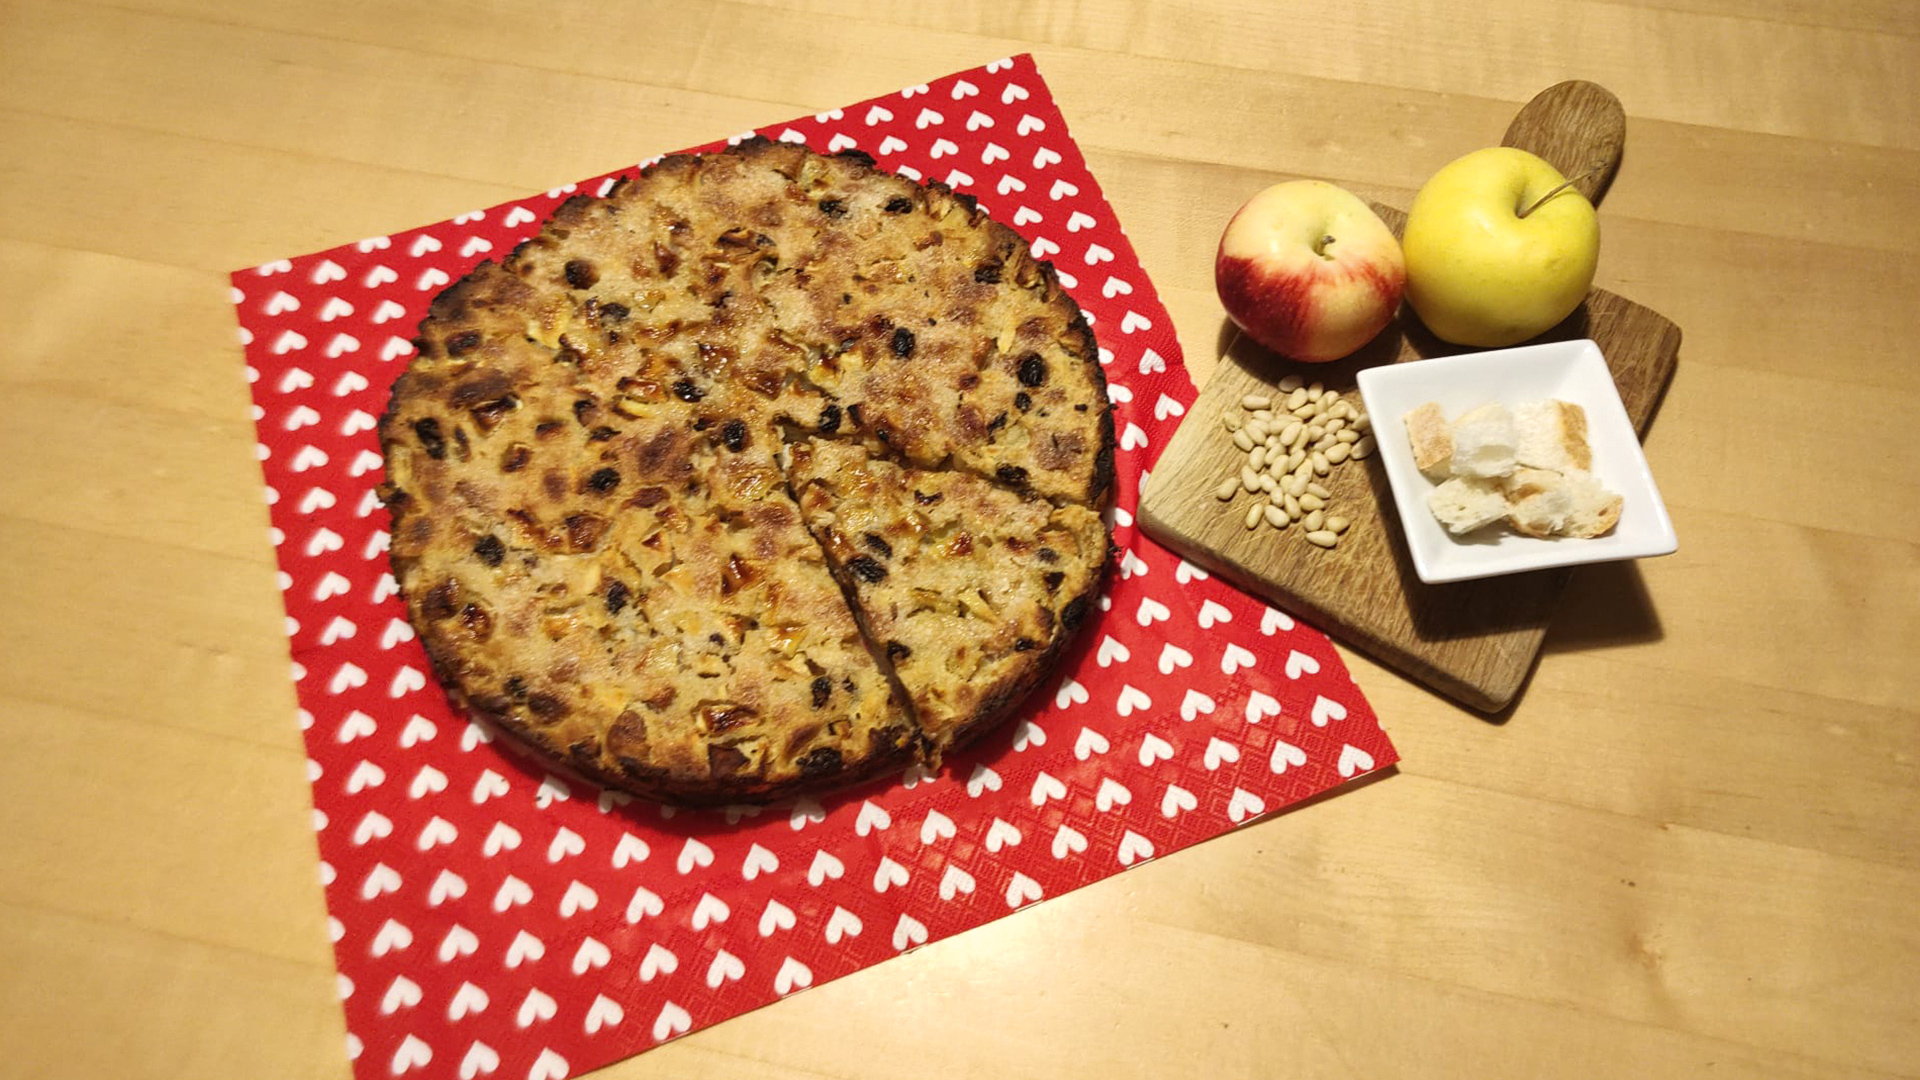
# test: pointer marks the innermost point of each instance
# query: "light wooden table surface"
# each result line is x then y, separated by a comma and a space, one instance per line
1692, 850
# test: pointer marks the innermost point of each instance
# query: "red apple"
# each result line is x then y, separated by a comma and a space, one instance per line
1309, 270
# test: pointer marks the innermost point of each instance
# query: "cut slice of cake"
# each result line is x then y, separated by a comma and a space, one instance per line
968, 588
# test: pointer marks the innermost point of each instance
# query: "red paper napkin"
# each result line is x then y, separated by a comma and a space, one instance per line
489, 917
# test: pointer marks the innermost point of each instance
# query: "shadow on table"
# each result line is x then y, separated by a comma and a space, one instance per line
1603, 606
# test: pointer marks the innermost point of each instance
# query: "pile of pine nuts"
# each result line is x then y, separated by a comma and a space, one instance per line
1292, 442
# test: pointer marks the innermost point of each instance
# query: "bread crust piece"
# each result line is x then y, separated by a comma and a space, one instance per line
1431, 439
1552, 435
1596, 510
1598, 521
1543, 503
591, 525
1464, 504
1538, 502
1483, 442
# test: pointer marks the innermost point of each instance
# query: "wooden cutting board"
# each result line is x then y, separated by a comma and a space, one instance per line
1474, 641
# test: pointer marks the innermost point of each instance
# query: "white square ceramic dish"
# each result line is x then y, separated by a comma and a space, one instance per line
1572, 371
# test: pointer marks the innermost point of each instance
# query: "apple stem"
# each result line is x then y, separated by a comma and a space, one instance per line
1562, 186
1320, 248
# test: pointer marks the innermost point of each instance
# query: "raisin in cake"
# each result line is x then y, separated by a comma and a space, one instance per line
767, 471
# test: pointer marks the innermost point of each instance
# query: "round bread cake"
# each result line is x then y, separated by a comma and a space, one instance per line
765, 472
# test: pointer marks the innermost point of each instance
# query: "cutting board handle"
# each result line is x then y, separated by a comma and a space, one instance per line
1576, 126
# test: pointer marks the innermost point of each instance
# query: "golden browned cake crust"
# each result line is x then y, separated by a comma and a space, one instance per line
592, 466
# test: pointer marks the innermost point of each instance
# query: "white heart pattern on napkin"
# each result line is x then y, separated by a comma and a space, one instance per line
502, 867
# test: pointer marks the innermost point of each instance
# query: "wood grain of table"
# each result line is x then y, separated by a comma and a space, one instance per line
1692, 849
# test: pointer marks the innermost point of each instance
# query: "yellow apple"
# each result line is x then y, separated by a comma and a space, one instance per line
1309, 270
1478, 273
